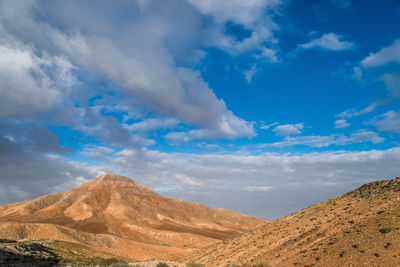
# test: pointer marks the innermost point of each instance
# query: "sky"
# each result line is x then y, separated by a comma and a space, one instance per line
263, 107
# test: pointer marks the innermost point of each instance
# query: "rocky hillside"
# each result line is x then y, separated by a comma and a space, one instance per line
360, 228
114, 214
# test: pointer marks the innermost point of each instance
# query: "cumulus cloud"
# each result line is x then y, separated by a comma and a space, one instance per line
135, 65
303, 179
144, 66
388, 122
255, 16
328, 41
341, 124
30, 170
199, 134
243, 12
152, 124
268, 54
32, 164
288, 129
388, 54
382, 64
29, 83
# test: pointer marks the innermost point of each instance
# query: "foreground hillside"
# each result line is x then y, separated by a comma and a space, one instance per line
47, 253
360, 228
114, 215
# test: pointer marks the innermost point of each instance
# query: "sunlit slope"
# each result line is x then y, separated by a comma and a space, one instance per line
115, 213
360, 228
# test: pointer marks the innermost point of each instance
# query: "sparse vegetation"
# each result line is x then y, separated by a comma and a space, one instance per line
388, 245
162, 264
385, 230
193, 264
30, 253
94, 261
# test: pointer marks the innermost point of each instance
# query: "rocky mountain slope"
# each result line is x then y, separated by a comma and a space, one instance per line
115, 215
47, 252
360, 228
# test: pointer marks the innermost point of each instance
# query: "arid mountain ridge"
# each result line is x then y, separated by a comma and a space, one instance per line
114, 214
359, 228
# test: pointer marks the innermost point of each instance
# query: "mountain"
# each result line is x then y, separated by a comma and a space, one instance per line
360, 228
115, 215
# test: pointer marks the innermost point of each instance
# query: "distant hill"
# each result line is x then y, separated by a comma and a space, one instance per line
360, 228
115, 215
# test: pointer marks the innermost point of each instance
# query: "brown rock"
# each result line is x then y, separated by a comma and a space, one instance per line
120, 216
349, 230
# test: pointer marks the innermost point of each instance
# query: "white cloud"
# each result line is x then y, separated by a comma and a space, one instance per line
97, 151
267, 126
389, 54
206, 134
253, 15
152, 124
266, 54
243, 12
354, 113
341, 124
135, 65
28, 83
234, 181
386, 56
248, 74
328, 41
188, 180
359, 136
239, 180
288, 129
269, 55
28, 172
256, 188
388, 122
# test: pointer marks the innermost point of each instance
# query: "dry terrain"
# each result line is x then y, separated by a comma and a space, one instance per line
360, 228
113, 215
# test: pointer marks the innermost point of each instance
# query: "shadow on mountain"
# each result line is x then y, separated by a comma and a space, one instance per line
13, 253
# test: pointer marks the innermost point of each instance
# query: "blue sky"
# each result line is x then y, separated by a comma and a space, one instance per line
260, 106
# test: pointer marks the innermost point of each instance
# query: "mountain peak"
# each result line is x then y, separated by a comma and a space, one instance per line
114, 182
112, 177
118, 215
